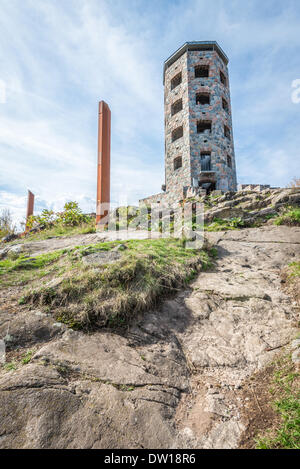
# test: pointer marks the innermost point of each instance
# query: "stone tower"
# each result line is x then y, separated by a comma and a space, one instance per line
199, 150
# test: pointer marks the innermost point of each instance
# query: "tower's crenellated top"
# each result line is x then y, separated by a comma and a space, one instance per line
195, 46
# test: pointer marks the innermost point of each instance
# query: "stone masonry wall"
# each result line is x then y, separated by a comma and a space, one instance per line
188, 147
215, 142
177, 179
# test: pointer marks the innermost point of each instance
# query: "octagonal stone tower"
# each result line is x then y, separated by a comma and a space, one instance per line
199, 149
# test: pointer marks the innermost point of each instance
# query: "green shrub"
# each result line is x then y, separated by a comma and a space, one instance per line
220, 224
72, 215
291, 217
61, 223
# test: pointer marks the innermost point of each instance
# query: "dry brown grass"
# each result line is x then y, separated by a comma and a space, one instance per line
291, 279
272, 407
112, 294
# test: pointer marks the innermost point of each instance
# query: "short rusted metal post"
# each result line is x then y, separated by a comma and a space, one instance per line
30, 207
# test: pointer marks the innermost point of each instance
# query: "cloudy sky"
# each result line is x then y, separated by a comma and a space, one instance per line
58, 58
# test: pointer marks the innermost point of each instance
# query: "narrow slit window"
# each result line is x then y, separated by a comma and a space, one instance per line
223, 78
229, 161
225, 105
176, 81
177, 162
202, 71
177, 133
226, 132
203, 126
176, 107
203, 98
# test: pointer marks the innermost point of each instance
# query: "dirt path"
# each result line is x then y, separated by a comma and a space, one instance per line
175, 378
35, 248
244, 320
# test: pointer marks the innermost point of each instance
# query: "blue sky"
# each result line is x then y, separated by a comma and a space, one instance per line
59, 58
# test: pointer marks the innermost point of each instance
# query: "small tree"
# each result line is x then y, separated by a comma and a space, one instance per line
6, 223
295, 183
72, 215
45, 220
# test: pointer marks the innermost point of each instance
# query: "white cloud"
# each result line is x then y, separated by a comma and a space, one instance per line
53, 145
278, 169
16, 204
59, 58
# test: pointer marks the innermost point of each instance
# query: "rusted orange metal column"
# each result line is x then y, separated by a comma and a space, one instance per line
30, 206
103, 172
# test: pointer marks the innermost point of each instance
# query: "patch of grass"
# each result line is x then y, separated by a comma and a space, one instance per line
112, 294
291, 277
67, 318
290, 217
294, 269
10, 366
270, 216
25, 269
285, 388
19, 359
28, 263
57, 231
26, 358
214, 197
220, 224
61, 230
213, 252
123, 387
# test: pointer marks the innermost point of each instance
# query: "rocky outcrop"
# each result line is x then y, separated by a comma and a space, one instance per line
174, 378
250, 205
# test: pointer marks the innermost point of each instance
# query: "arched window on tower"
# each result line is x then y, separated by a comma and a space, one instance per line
176, 107
177, 133
176, 81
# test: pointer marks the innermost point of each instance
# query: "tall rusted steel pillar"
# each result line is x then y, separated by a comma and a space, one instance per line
103, 171
30, 206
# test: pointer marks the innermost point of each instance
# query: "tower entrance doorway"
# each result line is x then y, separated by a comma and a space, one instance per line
209, 186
